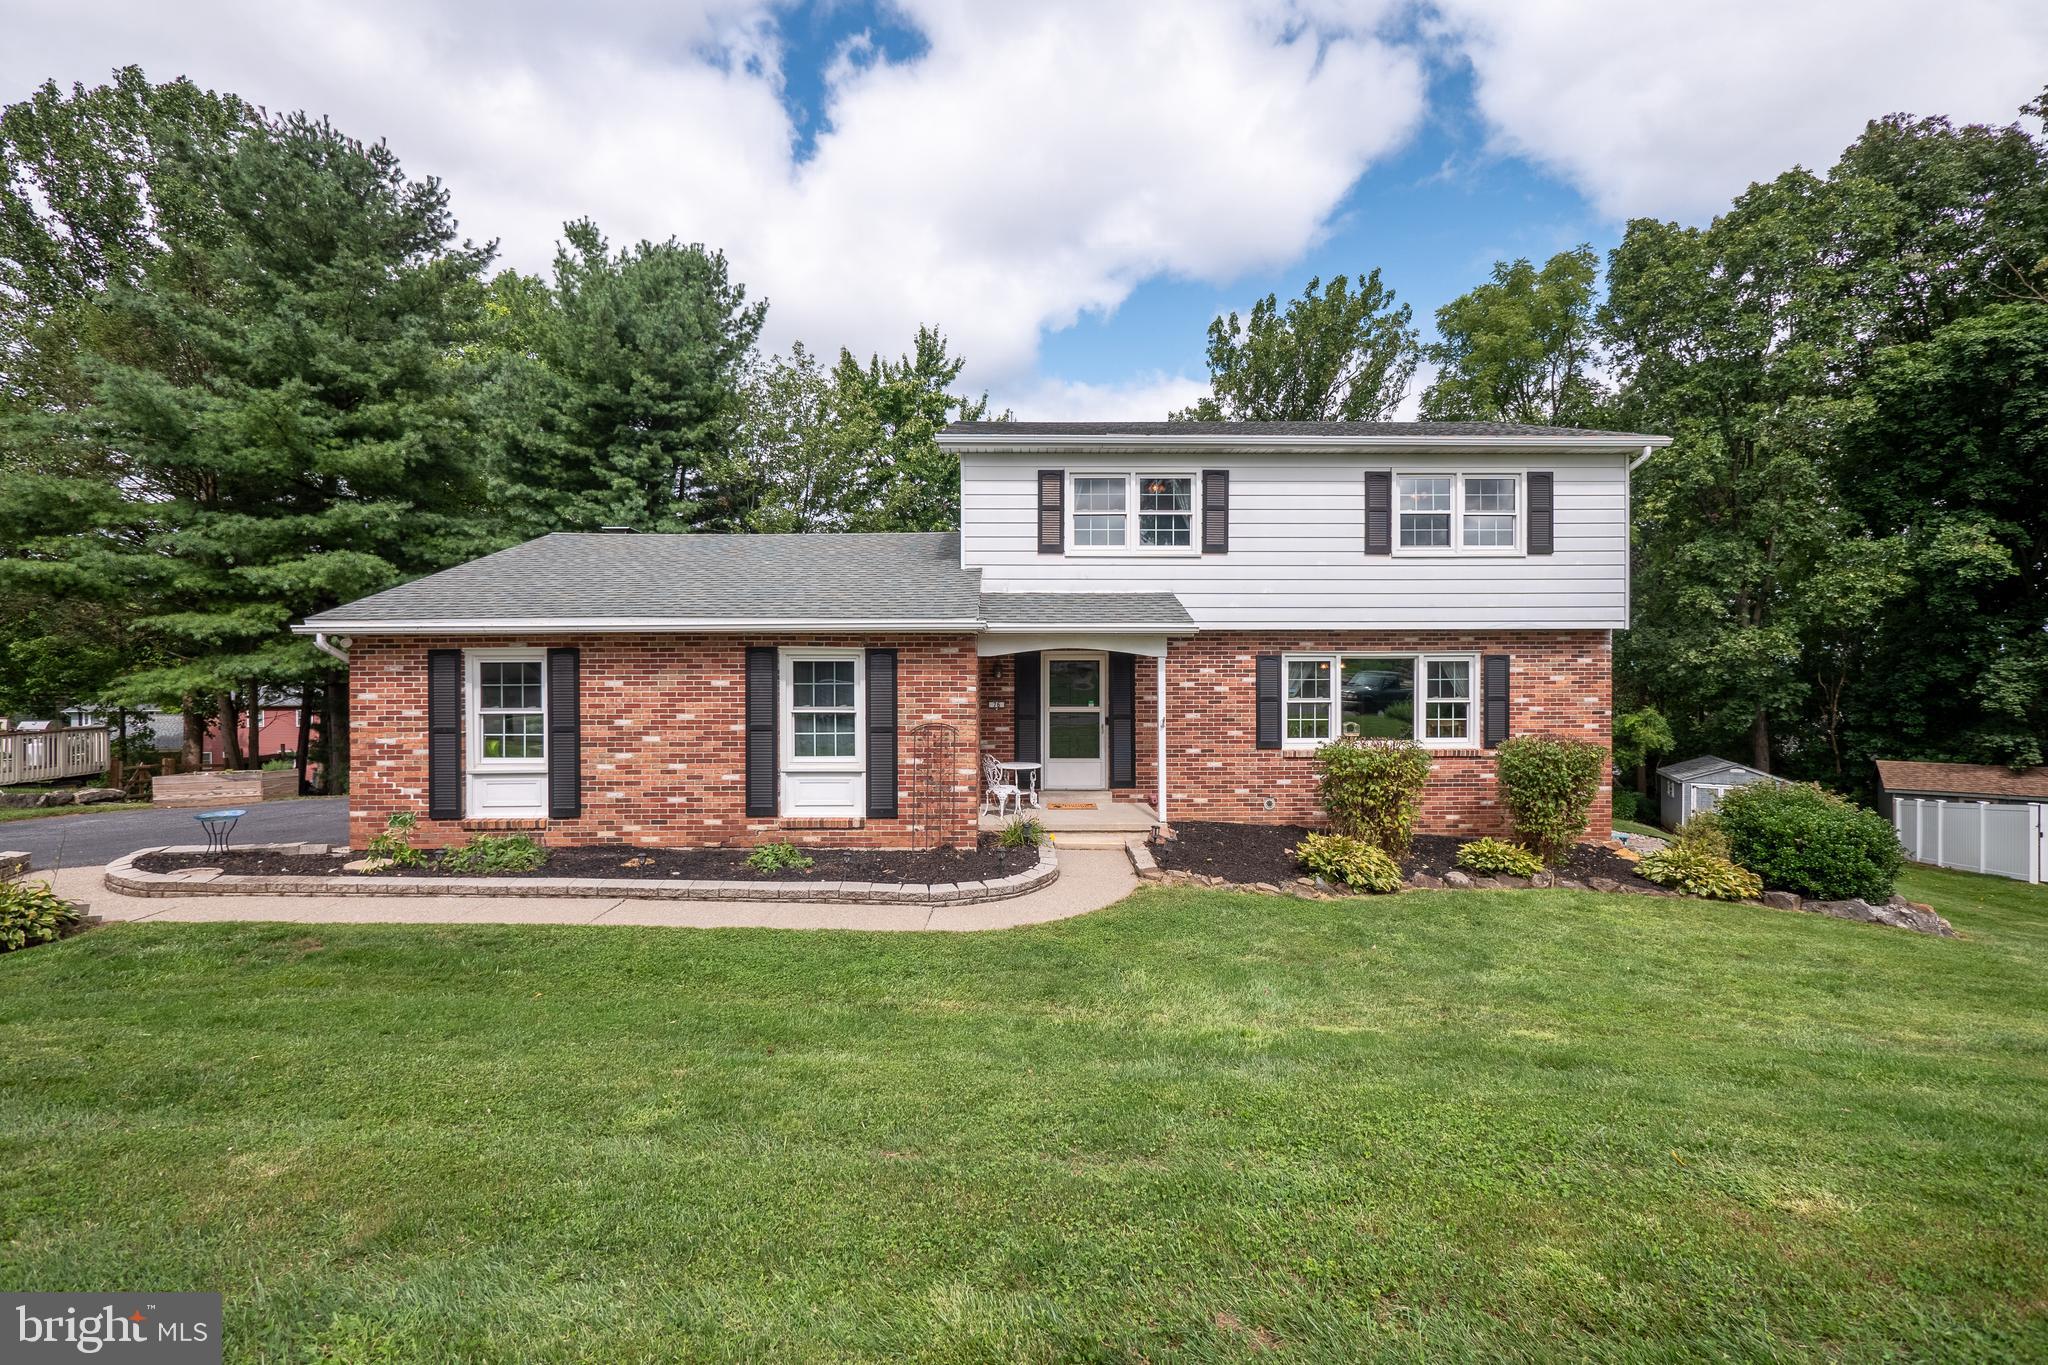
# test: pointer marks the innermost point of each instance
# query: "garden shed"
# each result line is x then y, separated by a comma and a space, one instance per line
1685, 789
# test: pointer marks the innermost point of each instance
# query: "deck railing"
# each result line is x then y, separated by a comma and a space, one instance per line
51, 755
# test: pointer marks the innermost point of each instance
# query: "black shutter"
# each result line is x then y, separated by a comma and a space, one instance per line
1269, 701
1026, 726
1052, 511
1123, 720
881, 734
444, 734
565, 735
1494, 692
1542, 498
1379, 512
763, 685
1215, 511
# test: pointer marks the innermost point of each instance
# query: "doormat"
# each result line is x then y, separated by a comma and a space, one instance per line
1071, 805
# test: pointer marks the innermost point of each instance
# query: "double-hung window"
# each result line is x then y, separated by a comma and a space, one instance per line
1132, 513
824, 707
508, 709
1375, 696
1449, 514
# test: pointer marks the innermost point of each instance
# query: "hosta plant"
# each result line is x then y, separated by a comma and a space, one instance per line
1351, 862
1692, 872
1498, 858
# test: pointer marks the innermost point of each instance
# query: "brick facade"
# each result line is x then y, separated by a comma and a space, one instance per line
662, 740
1560, 685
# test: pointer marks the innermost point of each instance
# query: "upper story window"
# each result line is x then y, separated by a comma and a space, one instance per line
508, 712
1132, 513
1451, 514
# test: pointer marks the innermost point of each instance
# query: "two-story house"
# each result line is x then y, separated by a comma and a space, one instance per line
1174, 615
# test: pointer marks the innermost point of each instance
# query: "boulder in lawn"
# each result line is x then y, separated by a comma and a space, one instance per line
99, 796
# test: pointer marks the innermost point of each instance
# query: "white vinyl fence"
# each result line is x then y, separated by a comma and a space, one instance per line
2003, 839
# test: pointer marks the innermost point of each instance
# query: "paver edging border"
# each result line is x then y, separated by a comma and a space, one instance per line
123, 876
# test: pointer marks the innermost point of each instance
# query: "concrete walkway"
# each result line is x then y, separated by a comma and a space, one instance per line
1089, 879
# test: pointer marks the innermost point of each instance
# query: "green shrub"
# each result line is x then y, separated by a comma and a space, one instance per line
1021, 833
1547, 787
782, 857
1371, 788
496, 853
1703, 834
1803, 839
1498, 858
1630, 806
394, 847
1355, 863
31, 913
1694, 873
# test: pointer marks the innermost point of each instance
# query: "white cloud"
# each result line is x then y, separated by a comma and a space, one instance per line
1034, 164
1670, 110
1152, 396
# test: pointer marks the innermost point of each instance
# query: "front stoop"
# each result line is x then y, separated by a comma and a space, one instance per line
122, 875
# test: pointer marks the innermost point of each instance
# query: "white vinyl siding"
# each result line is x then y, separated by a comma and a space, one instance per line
1297, 533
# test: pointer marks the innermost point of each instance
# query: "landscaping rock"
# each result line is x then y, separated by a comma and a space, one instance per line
95, 796
1513, 883
1457, 879
1603, 884
19, 800
13, 863
1567, 884
59, 796
1898, 916
1781, 900
1423, 881
1544, 879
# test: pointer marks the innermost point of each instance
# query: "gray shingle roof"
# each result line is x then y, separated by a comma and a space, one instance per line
1700, 767
1084, 609
879, 578
1026, 430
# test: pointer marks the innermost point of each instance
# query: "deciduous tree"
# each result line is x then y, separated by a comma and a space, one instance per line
1333, 355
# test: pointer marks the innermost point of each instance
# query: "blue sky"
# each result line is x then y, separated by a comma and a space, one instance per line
1071, 189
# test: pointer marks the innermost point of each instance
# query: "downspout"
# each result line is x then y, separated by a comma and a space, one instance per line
1637, 462
320, 643
1159, 725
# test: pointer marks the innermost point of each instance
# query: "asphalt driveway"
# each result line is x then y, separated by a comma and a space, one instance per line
96, 840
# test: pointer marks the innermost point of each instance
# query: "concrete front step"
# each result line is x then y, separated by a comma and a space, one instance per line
1091, 838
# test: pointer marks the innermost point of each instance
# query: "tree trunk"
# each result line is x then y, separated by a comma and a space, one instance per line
1760, 742
305, 733
192, 754
230, 732
334, 734
255, 754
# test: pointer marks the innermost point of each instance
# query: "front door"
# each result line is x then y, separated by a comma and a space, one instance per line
1076, 746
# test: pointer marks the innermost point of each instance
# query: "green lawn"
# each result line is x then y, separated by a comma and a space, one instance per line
21, 813
1192, 1126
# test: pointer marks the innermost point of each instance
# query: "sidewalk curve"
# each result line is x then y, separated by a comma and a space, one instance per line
1089, 879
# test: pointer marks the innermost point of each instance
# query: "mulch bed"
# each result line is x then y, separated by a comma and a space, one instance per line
935, 866
1265, 853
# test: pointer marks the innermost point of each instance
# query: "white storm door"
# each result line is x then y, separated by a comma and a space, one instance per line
1076, 738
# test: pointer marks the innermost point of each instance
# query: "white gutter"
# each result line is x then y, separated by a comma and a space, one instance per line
1102, 627
1024, 443
1648, 451
620, 625
320, 643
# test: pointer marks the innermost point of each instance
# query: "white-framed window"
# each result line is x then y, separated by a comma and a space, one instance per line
1131, 513
822, 706
1452, 514
1428, 698
508, 719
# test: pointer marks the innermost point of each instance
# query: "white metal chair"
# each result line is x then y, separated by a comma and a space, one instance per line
1001, 788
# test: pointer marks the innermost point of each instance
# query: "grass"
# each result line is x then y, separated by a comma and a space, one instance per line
1192, 1126
1638, 827
43, 813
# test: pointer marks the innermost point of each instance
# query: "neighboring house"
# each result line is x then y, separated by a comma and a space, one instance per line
1959, 782
1226, 595
1698, 784
278, 734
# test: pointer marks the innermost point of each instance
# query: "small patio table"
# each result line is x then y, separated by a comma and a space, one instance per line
218, 824
1027, 780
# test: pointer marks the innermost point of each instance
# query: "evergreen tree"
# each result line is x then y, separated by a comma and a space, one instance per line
621, 405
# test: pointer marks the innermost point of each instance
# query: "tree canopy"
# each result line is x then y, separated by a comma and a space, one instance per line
1520, 348
1335, 354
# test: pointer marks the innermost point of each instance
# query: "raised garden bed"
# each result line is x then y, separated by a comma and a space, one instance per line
1263, 855
612, 861
845, 876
